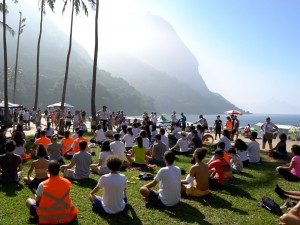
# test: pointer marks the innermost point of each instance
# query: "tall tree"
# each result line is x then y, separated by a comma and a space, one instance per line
20, 31
4, 10
42, 8
94, 79
76, 6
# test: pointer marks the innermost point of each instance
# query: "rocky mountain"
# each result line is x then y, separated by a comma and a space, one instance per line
160, 75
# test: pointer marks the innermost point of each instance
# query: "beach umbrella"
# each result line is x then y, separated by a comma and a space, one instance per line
233, 112
294, 130
58, 105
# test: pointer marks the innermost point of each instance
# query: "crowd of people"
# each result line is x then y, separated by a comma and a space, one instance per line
134, 145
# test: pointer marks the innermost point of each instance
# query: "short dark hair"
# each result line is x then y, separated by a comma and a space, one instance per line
232, 150
194, 132
117, 136
201, 153
10, 146
114, 163
296, 149
43, 132
80, 133
221, 145
283, 137
82, 145
169, 156
143, 133
254, 135
158, 137
105, 146
53, 167
162, 131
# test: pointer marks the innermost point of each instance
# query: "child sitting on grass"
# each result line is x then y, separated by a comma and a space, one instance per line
235, 161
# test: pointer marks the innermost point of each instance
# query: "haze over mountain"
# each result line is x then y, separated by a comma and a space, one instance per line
161, 67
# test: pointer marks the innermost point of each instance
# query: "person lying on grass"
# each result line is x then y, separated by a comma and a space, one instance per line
114, 189
196, 182
291, 171
168, 178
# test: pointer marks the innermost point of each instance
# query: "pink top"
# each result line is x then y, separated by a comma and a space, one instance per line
296, 169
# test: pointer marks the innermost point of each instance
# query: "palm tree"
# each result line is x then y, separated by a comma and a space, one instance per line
4, 10
20, 31
94, 79
76, 5
42, 4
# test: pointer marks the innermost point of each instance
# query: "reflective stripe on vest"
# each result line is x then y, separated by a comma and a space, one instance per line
59, 203
54, 217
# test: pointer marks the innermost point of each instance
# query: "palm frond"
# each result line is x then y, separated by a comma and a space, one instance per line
51, 4
84, 7
9, 29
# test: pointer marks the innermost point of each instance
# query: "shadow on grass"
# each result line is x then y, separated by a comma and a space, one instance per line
244, 174
128, 216
237, 191
11, 189
89, 182
218, 203
183, 212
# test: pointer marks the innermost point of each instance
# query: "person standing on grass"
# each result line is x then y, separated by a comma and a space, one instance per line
268, 128
114, 189
169, 182
218, 127
103, 117
52, 204
196, 182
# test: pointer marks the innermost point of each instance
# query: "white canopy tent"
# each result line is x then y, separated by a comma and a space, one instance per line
56, 105
10, 105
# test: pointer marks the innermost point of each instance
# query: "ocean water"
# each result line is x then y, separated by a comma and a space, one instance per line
252, 119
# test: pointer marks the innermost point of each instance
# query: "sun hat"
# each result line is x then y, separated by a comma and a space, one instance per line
182, 133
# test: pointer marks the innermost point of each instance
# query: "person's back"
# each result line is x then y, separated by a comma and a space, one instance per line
169, 183
54, 149
11, 164
253, 150
51, 195
118, 148
82, 161
159, 148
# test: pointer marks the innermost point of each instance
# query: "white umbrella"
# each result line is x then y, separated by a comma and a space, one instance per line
10, 105
59, 104
233, 112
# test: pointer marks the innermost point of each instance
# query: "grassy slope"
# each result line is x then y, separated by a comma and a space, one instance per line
235, 205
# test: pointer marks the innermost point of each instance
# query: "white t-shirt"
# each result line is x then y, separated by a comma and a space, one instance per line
165, 140
253, 151
227, 142
175, 132
242, 154
129, 139
113, 192
103, 115
135, 132
268, 127
183, 144
146, 143
118, 148
103, 156
169, 185
100, 135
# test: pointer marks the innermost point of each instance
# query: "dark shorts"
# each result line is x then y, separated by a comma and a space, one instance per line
33, 210
267, 137
153, 198
68, 123
134, 164
233, 131
98, 207
35, 182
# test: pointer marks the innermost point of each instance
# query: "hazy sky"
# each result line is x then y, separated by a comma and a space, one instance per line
248, 51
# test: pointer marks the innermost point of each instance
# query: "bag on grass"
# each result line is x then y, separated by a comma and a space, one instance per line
270, 205
147, 176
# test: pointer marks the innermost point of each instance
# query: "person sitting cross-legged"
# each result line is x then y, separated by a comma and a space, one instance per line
101, 167
168, 178
82, 161
220, 170
158, 150
137, 155
196, 182
114, 189
53, 204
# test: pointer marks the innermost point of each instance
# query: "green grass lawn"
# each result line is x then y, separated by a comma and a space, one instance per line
235, 205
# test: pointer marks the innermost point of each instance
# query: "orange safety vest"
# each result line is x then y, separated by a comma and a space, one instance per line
66, 143
77, 141
55, 206
228, 125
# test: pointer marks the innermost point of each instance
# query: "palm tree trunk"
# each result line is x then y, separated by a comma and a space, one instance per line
63, 98
6, 112
94, 80
38, 58
17, 57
